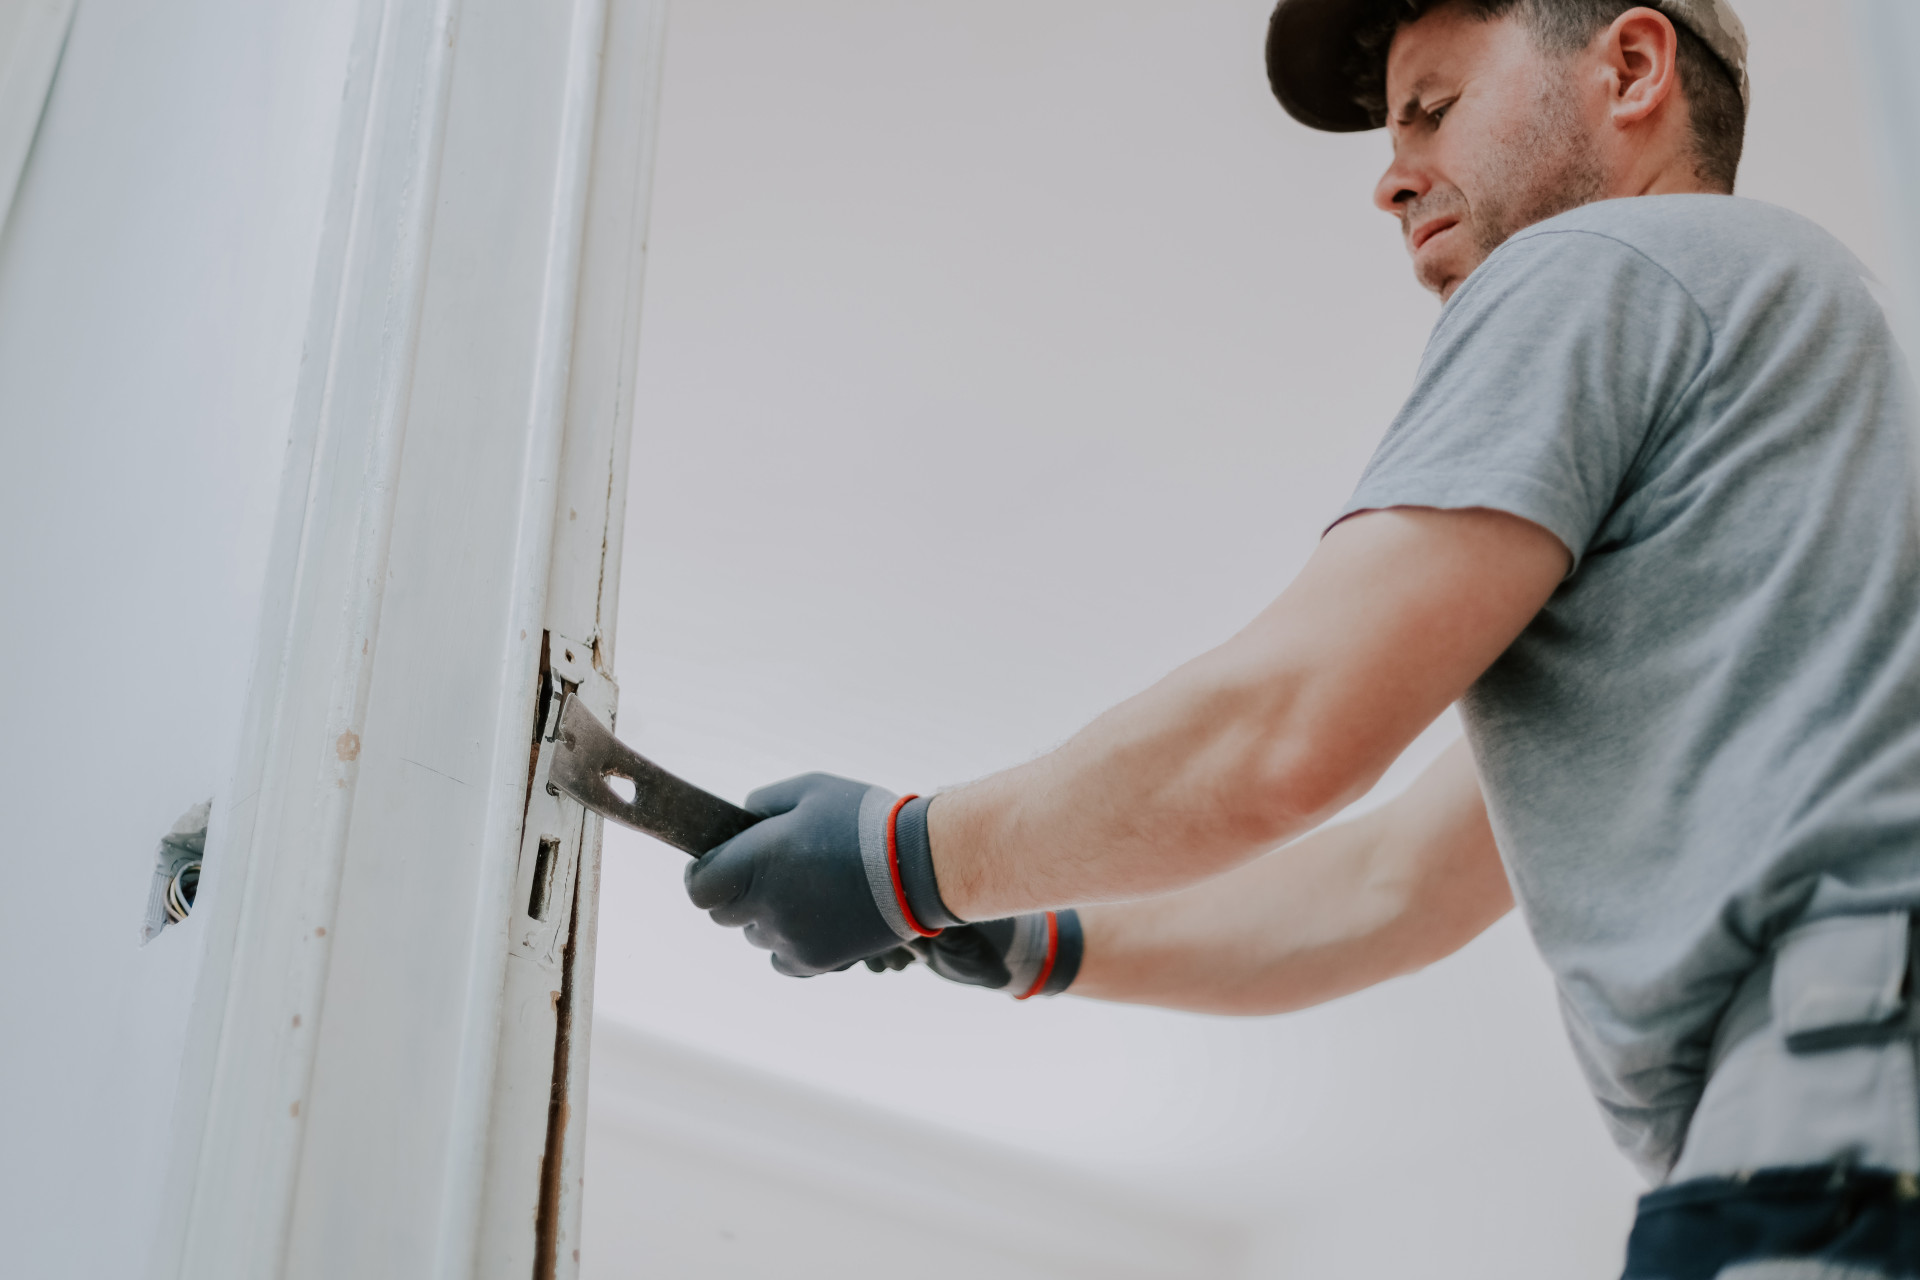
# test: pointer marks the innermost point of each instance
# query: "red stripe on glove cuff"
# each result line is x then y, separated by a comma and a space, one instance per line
893, 869
1046, 966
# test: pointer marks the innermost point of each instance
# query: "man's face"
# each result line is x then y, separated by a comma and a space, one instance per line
1489, 135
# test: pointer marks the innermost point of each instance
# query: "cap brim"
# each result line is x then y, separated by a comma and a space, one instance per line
1311, 51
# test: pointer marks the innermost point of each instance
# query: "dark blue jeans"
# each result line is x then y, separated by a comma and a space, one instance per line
1859, 1218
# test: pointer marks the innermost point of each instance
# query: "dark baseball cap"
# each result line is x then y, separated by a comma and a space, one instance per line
1315, 59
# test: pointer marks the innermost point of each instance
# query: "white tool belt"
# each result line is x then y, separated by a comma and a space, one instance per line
1813, 1062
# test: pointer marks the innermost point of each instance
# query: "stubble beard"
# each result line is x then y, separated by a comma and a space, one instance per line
1545, 166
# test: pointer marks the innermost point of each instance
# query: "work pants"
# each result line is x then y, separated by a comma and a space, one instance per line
1802, 1161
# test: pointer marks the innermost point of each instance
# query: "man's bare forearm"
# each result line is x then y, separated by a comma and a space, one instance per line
1341, 909
1241, 750
1193, 765
1263, 738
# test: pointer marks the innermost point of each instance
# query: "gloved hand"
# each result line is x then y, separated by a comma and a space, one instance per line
1030, 955
839, 872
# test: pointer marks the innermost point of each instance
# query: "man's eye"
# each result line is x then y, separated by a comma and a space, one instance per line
1437, 114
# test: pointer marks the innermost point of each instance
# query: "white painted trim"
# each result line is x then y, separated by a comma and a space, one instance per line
589, 523
33, 33
344, 1085
462, 1225
315, 663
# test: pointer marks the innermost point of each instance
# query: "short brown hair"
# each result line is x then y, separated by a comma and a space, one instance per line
1716, 110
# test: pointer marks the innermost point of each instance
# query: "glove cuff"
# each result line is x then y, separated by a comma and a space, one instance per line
1070, 944
899, 864
919, 889
1044, 956
878, 808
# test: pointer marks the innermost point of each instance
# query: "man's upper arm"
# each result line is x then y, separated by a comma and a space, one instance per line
1543, 389
1396, 614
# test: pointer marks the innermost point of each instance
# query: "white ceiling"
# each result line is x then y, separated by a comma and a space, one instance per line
997, 357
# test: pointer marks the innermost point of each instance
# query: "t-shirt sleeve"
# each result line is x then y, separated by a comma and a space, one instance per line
1545, 380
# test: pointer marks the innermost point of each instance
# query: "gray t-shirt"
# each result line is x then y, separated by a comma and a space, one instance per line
1713, 728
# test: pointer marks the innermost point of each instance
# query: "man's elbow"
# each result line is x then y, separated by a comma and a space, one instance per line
1289, 790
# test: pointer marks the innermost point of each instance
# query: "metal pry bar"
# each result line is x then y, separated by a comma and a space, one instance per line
586, 754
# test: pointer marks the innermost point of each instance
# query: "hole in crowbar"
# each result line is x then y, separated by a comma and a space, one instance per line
589, 761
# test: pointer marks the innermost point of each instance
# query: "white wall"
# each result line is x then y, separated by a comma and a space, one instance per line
153, 294
1889, 44
997, 357
699, 1167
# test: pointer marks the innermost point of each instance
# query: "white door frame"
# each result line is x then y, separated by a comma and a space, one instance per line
369, 1087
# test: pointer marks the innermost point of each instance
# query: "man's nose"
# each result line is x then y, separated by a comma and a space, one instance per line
1402, 183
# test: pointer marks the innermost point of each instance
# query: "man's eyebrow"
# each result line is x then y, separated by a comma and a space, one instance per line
1417, 92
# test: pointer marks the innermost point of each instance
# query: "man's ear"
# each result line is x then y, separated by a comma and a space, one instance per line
1641, 52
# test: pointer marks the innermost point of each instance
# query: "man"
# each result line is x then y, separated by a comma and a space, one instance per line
1649, 517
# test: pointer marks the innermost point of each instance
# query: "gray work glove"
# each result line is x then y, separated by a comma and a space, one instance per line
1030, 955
840, 872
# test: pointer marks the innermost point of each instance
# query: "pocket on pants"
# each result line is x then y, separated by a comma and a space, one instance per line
1830, 1078
1840, 979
